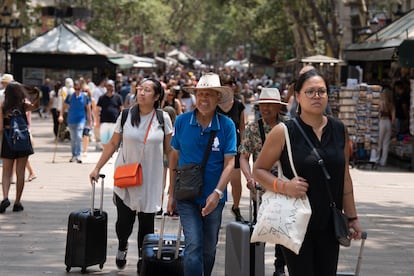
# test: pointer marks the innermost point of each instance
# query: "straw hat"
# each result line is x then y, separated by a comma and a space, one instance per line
7, 78
212, 81
270, 95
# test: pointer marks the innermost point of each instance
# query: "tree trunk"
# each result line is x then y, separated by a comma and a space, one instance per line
329, 37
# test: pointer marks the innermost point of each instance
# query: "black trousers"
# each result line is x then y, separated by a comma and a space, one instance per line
55, 115
318, 255
125, 224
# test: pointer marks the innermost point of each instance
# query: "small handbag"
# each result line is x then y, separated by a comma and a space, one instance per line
340, 220
283, 219
130, 175
189, 179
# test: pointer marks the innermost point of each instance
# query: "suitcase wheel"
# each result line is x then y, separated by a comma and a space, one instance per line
68, 268
101, 266
83, 271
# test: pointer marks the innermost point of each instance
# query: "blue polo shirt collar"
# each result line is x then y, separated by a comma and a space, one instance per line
214, 124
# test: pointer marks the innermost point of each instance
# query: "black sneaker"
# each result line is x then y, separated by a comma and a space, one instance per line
139, 266
18, 207
237, 214
159, 213
120, 259
4, 204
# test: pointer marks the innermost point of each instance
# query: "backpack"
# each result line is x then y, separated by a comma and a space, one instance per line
18, 135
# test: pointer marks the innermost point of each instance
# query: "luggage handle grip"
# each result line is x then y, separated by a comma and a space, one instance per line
102, 176
361, 249
161, 239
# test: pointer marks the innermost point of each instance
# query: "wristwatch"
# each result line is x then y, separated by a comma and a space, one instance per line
220, 193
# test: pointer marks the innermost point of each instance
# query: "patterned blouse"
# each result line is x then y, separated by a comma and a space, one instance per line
252, 142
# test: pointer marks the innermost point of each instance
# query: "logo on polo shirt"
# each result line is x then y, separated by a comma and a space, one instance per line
216, 144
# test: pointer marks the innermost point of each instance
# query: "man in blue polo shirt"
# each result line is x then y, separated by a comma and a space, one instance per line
78, 106
201, 217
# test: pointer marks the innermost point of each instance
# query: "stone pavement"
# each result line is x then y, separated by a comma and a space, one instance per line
33, 242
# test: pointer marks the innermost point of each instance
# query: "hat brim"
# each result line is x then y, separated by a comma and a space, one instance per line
270, 101
225, 91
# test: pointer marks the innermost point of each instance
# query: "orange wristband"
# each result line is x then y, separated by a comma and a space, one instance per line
275, 185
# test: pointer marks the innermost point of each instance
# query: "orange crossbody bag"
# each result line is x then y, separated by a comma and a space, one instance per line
128, 175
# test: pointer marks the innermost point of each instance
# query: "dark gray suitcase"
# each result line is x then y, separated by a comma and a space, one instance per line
87, 235
242, 257
358, 266
162, 254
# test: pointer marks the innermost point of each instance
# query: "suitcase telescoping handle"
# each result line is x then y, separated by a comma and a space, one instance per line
161, 239
258, 190
102, 176
361, 249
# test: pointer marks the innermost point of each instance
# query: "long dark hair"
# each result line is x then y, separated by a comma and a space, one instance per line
57, 87
301, 80
158, 90
14, 96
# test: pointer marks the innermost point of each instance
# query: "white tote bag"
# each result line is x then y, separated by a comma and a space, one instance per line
282, 219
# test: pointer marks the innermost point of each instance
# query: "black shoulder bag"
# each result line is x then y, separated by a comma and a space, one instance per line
189, 178
340, 220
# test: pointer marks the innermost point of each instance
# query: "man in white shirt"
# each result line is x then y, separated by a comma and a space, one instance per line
5, 80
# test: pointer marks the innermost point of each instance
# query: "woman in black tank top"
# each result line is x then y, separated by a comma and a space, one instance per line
320, 249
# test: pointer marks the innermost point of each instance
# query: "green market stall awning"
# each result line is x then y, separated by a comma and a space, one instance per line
121, 62
405, 53
385, 43
67, 47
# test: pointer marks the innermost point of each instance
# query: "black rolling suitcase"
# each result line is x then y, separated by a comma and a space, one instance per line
87, 235
162, 254
242, 257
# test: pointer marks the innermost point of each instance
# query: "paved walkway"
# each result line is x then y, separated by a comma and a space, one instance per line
33, 242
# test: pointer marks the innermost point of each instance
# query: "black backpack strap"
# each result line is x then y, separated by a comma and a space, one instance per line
160, 118
124, 116
261, 129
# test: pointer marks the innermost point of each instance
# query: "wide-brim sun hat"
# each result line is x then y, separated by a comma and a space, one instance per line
270, 95
212, 81
7, 78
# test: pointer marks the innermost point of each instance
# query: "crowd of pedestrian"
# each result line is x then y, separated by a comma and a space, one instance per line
239, 112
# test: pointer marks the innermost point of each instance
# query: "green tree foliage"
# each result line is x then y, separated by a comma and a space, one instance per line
117, 20
218, 29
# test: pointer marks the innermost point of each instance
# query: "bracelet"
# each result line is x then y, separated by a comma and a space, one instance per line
275, 185
352, 218
219, 192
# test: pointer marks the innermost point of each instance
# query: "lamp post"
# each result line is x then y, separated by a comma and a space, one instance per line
10, 31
